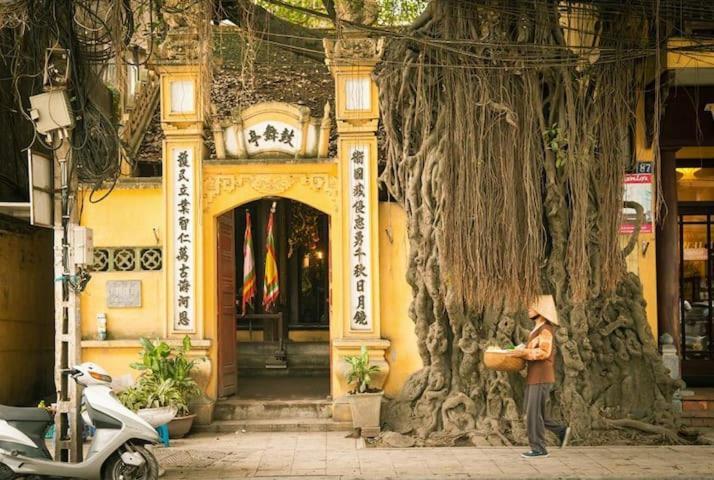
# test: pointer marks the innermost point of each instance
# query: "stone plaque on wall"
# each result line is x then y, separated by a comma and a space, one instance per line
123, 293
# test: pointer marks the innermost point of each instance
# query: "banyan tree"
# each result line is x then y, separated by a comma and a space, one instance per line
509, 126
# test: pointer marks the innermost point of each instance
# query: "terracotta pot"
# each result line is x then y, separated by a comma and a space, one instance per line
366, 409
180, 426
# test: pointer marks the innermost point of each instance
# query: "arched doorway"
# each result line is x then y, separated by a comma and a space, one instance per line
280, 350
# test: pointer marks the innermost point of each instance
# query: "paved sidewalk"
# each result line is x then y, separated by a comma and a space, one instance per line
332, 456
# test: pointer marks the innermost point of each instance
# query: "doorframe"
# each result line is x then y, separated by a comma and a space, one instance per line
228, 186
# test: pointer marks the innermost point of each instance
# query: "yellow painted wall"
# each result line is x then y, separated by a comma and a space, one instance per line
130, 216
396, 295
115, 360
646, 257
26, 317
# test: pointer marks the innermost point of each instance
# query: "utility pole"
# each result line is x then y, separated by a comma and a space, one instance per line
54, 120
68, 432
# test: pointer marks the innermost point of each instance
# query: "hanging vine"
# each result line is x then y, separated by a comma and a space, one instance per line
510, 167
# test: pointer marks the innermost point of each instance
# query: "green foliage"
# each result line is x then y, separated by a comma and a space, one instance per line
150, 392
296, 16
361, 371
391, 12
165, 379
556, 142
400, 12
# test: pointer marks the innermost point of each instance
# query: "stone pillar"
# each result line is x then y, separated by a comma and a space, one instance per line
352, 60
182, 65
667, 241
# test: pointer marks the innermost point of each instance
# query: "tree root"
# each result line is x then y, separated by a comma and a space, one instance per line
627, 423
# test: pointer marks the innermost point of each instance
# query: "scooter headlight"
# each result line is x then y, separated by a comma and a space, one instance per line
100, 376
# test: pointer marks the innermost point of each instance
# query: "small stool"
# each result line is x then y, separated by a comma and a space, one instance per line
163, 432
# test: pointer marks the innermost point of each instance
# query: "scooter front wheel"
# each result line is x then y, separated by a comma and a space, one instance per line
116, 469
6, 473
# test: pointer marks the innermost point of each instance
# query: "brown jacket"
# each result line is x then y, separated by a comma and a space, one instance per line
540, 355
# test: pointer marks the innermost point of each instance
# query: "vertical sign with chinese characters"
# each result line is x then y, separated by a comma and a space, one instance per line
183, 233
360, 240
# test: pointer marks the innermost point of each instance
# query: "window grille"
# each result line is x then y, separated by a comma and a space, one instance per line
128, 259
150, 259
101, 259
124, 259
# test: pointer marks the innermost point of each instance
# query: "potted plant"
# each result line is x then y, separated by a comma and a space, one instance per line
155, 401
165, 381
365, 401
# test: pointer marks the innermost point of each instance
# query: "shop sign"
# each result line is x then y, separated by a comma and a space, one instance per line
360, 239
183, 233
638, 188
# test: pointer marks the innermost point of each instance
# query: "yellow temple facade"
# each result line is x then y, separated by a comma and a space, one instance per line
169, 250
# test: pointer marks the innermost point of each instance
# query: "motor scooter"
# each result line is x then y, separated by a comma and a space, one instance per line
118, 449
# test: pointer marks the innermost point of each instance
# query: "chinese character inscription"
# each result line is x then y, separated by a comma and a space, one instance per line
183, 239
272, 134
360, 240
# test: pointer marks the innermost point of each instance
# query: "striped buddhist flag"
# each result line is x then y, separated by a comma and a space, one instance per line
271, 285
248, 264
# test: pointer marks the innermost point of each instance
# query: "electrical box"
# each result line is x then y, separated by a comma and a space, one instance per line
51, 111
82, 245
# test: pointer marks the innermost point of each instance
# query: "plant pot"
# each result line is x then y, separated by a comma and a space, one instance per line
366, 409
157, 416
180, 426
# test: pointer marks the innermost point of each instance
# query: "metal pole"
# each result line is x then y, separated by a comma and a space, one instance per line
68, 434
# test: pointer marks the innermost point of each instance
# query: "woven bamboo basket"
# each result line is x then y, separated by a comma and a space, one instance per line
503, 361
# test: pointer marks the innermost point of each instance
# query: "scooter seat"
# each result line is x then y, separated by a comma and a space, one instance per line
29, 414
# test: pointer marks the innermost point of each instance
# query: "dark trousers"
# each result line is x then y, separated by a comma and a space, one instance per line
536, 419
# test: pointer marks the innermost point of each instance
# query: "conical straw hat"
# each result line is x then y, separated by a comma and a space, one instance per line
545, 306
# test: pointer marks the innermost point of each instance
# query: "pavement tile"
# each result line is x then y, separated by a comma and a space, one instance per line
331, 456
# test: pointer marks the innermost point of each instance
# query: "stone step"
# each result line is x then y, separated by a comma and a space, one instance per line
303, 357
291, 371
275, 425
699, 403
237, 409
698, 414
698, 422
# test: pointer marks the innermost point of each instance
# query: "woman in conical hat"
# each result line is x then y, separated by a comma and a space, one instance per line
539, 353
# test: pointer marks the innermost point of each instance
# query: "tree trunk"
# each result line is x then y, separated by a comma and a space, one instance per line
507, 151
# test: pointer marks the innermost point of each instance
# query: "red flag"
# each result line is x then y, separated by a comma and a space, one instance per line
248, 264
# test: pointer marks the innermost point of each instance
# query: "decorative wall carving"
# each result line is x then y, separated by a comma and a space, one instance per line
269, 184
349, 48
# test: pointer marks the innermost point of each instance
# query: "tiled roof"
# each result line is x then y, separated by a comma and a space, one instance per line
278, 75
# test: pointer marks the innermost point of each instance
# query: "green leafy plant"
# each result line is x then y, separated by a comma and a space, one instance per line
361, 372
44, 406
165, 378
150, 392
556, 142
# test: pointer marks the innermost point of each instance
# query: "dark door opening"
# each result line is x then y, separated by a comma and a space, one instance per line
696, 246
297, 326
